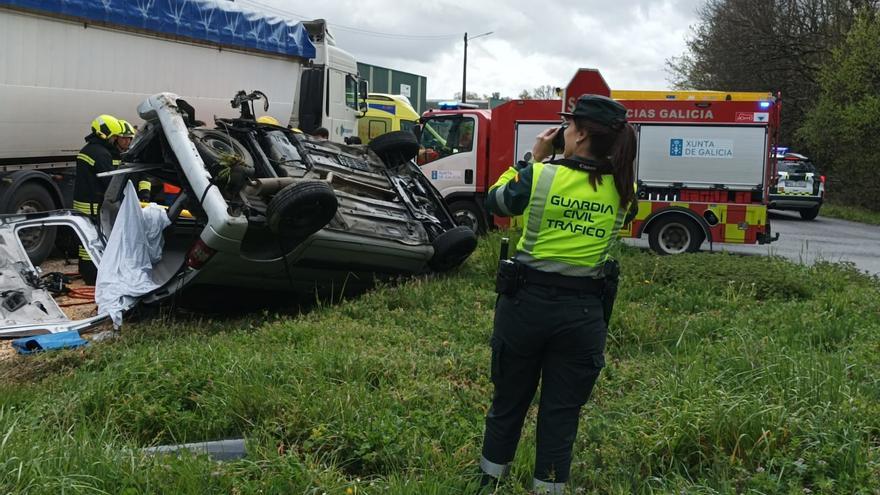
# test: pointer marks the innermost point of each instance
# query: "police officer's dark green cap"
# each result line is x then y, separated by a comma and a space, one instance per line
599, 109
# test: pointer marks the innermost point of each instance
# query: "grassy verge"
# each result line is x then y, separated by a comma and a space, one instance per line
851, 213
725, 375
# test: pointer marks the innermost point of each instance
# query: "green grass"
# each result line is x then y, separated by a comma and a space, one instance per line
725, 375
851, 213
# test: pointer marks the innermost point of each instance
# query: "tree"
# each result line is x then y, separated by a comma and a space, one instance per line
841, 130
765, 45
470, 96
545, 92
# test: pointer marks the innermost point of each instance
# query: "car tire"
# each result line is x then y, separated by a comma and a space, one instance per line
33, 198
468, 214
212, 144
675, 234
395, 147
810, 214
299, 210
452, 247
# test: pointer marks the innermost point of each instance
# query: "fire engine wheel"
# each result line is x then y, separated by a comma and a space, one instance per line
38, 242
395, 147
675, 234
299, 210
467, 214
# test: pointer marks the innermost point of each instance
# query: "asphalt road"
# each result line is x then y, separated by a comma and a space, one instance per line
802, 241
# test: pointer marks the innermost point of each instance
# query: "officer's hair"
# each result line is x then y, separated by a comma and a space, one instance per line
616, 145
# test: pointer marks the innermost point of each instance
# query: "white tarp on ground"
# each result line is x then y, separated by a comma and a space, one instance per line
135, 245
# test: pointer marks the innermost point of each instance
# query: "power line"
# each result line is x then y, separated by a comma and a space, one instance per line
356, 30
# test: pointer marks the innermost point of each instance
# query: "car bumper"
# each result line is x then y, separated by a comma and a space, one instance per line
794, 202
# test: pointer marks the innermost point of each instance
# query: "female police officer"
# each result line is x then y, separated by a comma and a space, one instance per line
549, 319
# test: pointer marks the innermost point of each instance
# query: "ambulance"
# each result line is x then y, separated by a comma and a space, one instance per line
386, 113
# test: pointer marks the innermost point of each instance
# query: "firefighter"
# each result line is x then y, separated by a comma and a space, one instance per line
555, 295
109, 138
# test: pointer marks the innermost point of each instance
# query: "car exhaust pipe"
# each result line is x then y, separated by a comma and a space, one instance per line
260, 187
268, 187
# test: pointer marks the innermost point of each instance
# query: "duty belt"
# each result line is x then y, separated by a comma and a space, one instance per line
584, 284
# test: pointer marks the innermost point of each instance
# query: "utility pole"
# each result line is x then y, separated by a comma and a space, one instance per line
464, 73
464, 66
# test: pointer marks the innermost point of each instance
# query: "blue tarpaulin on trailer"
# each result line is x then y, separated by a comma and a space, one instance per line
216, 21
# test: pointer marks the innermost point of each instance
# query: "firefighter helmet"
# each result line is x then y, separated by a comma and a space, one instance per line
127, 129
104, 126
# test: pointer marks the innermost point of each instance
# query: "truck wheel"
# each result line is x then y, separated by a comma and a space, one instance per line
37, 241
810, 214
468, 214
395, 147
675, 234
299, 210
452, 247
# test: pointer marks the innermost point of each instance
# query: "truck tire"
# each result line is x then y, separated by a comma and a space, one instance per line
675, 234
32, 198
299, 210
452, 247
810, 214
395, 147
468, 214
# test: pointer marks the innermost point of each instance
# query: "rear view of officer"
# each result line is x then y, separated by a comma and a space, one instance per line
108, 139
555, 296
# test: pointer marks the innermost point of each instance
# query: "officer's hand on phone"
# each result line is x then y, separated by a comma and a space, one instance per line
543, 147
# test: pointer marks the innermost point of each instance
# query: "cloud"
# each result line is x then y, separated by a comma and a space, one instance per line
533, 43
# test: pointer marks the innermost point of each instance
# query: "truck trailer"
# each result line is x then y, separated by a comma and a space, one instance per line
64, 63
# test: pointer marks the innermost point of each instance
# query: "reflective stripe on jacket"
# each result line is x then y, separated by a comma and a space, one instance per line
567, 225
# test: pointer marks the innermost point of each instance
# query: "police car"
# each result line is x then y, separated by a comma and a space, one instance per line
799, 186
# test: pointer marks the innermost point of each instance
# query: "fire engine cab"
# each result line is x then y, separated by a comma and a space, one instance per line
704, 165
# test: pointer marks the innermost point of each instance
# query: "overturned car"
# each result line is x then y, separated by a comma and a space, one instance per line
259, 207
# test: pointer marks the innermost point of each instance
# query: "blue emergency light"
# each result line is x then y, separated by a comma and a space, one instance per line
764, 104
448, 105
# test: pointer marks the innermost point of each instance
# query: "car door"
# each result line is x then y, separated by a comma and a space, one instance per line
25, 307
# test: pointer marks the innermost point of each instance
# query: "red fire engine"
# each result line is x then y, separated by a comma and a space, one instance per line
704, 164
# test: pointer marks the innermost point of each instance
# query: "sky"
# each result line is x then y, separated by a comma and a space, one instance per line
533, 43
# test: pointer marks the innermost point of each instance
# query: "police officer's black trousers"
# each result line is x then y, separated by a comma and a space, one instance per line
559, 337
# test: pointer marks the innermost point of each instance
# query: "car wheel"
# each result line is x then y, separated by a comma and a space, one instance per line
467, 214
452, 247
810, 214
395, 147
675, 234
37, 241
299, 210
214, 146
